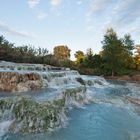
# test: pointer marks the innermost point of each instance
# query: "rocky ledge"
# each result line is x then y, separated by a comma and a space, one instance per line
20, 82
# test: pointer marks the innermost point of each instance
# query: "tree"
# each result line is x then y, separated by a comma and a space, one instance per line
88, 61
137, 57
42, 53
97, 61
6, 49
62, 52
79, 55
23, 54
112, 52
89, 53
97, 64
128, 43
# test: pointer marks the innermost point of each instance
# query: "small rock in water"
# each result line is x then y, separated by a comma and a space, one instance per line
80, 80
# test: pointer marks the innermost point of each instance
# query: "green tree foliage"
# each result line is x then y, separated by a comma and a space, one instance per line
42, 55
117, 53
128, 43
79, 55
88, 61
62, 56
89, 53
30, 54
5, 49
62, 52
23, 54
116, 56
97, 64
137, 57
112, 52
97, 61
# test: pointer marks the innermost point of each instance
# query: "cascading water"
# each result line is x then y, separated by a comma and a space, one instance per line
101, 110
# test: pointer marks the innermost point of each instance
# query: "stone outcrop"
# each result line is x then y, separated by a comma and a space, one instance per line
20, 82
80, 80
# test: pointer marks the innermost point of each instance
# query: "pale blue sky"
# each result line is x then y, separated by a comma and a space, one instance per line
80, 24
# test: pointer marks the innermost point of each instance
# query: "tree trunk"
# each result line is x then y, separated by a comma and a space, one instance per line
112, 73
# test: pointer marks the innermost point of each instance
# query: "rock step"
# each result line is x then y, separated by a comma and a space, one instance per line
20, 82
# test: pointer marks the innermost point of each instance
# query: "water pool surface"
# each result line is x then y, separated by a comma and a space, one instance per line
108, 117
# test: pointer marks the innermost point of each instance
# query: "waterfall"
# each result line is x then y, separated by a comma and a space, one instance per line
26, 114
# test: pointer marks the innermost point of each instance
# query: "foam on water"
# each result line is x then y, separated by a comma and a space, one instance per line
63, 92
4, 126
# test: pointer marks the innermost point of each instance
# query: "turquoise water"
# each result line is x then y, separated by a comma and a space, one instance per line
108, 117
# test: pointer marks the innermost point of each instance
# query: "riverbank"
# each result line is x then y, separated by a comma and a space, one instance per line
130, 78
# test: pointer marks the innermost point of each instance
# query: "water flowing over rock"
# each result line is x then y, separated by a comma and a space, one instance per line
133, 100
30, 116
43, 112
26, 77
